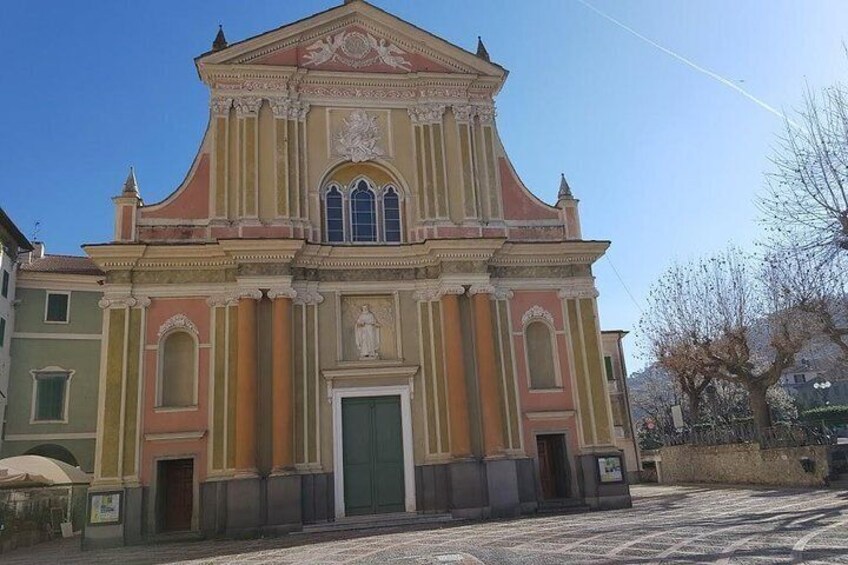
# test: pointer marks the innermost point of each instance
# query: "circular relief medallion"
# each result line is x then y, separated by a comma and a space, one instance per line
355, 45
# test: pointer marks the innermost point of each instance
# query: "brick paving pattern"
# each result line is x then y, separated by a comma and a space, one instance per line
666, 525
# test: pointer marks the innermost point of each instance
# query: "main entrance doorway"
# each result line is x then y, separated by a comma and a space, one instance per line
372, 447
553, 473
175, 494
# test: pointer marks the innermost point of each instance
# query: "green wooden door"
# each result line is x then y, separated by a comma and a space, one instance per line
372, 444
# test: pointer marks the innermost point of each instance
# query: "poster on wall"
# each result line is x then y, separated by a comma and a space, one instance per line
610, 469
105, 508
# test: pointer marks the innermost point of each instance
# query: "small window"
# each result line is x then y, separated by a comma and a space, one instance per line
391, 215
799, 379
2, 333
363, 219
608, 367
57, 307
4, 286
335, 216
50, 396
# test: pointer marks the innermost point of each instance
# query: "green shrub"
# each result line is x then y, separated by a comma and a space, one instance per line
830, 415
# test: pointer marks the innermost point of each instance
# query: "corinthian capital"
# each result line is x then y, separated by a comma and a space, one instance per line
464, 113
297, 110
427, 113
486, 114
248, 106
220, 106
249, 293
280, 106
308, 297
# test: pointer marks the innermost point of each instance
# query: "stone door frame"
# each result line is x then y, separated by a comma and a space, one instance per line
406, 429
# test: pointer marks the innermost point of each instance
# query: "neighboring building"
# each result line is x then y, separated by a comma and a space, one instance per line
55, 371
619, 392
799, 375
12, 244
351, 306
804, 381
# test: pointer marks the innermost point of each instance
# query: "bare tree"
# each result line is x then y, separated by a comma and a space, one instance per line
727, 318
819, 289
806, 205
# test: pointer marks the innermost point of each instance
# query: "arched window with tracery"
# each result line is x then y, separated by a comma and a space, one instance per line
334, 212
363, 213
391, 215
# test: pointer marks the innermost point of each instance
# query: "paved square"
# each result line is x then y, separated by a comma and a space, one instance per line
666, 525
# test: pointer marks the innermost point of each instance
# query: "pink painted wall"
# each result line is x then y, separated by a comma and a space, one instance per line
190, 203
191, 420
547, 401
519, 204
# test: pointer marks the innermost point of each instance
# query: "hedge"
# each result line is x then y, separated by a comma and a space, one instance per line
830, 415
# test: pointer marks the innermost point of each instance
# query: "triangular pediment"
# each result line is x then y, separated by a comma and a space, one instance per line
353, 37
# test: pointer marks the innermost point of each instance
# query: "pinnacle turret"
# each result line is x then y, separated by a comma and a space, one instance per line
481, 50
220, 41
564, 189
130, 185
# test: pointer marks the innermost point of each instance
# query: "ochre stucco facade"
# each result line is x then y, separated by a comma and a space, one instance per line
351, 164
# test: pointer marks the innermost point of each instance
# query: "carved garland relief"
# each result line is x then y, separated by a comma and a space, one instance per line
356, 50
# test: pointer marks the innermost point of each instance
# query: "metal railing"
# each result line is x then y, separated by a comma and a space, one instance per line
784, 435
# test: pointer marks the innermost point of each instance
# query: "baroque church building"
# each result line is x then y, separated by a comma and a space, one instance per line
350, 306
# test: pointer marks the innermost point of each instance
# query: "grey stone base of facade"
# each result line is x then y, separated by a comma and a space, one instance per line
250, 506
599, 495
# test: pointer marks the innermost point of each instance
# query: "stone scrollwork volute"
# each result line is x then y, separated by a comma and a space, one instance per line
281, 292
359, 138
308, 297
125, 301
536, 312
481, 289
180, 321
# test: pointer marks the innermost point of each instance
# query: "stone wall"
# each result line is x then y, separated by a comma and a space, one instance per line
744, 463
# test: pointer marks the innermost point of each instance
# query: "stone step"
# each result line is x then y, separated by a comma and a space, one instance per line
378, 521
564, 506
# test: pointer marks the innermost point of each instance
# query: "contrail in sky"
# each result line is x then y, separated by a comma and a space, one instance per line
689, 62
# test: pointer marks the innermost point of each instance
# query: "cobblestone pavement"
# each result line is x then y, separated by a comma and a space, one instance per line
666, 525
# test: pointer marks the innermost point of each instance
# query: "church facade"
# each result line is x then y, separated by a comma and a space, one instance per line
350, 306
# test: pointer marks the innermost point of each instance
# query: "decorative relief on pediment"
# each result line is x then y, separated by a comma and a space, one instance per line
359, 138
356, 49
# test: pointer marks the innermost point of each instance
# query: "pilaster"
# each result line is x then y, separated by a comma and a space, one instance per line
246, 381
219, 109
282, 416
428, 131
247, 113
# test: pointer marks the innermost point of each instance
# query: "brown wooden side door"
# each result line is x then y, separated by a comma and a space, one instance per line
176, 494
547, 466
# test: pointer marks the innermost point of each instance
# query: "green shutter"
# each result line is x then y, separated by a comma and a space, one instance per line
4, 290
608, 366
2, 333
57, 307
50, 397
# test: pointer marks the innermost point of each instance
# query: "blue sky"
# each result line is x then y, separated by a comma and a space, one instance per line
666, 161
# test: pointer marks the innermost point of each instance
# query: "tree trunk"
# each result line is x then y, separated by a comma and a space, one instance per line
759, 405
694, 407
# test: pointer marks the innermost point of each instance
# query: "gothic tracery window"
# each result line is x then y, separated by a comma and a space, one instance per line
362, 212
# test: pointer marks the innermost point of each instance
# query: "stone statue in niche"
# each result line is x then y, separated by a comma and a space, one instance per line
367, 334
